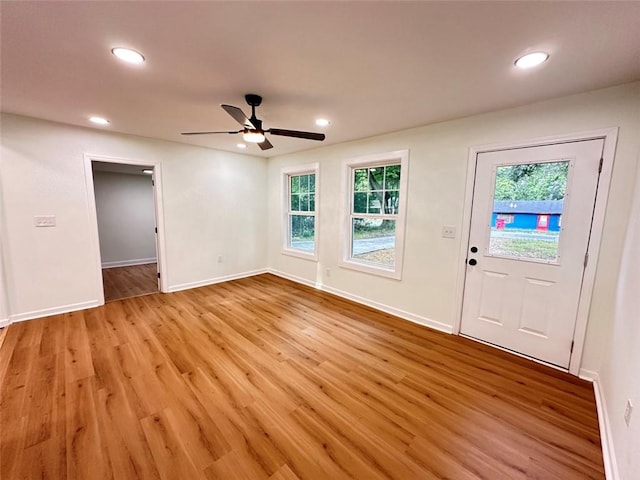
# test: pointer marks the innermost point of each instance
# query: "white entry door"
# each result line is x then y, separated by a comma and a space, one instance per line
530, 225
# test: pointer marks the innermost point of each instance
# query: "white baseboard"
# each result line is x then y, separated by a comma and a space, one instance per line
4, 322
412, 317
606, 438
129, 263
588, 375
212, 281
47, 312
293, 278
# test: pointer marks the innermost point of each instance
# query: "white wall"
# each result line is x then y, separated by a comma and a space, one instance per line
213, 205
437, 176
126, 218
620, 374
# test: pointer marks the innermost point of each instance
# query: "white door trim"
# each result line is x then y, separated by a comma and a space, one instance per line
93, 217
610, 136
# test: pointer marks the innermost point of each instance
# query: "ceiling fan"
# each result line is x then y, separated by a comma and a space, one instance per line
252, 127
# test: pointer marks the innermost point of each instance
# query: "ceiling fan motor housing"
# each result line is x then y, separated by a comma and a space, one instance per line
256, 123
253, 99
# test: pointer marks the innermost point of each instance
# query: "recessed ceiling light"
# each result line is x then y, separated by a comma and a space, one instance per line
241, 145
99, 120
322, 122
532, 59
128, 55
147, 171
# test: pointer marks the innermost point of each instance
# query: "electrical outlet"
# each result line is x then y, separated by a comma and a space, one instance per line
328, 272
449, 231
627, 412
220, 259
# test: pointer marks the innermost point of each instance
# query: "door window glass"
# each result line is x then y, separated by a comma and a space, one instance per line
528, 204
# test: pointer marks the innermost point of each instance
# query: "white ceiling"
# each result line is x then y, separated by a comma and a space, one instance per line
370, 68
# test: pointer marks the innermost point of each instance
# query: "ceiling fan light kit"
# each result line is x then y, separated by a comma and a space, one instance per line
252, 130
253, 136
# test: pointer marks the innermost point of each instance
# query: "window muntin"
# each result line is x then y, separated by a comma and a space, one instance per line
376, 190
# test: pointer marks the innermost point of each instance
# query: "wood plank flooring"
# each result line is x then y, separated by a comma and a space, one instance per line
125, 282
262, 378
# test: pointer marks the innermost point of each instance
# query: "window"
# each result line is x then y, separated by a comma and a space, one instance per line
543, 221
375, 208
300, 200
506, 218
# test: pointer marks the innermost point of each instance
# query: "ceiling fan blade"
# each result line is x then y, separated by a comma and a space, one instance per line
266, 145
208, 133
238, 115
295, 133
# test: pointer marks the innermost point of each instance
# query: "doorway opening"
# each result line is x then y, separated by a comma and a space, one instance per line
125, 203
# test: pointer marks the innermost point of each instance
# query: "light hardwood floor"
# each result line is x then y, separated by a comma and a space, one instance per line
262, 378
125, 282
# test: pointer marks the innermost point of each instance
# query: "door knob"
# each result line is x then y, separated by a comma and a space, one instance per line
474, 249
472, 261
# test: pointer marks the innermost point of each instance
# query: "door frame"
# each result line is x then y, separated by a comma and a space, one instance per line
93, 215
610, 137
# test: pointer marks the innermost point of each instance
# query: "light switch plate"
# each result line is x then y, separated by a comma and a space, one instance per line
44, 220
449, 231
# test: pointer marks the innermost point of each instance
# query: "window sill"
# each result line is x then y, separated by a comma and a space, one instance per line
371, 269
300, 254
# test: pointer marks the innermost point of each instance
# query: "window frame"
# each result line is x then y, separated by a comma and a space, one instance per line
286, 174
398, 157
